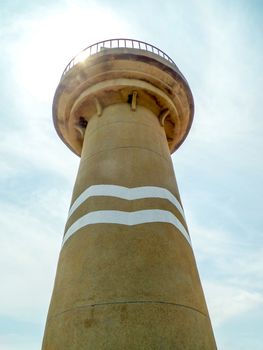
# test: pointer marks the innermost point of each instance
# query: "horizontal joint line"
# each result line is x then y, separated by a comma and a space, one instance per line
130, 302
124, 147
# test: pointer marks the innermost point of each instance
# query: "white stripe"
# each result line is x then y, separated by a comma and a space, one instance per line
126, 193
126, 218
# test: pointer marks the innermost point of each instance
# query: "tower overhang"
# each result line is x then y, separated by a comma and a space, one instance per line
120, 75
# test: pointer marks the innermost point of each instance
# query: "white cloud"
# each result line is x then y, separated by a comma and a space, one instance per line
228, 91
228, 301
231, 272
13, 341
37, 146
30, 243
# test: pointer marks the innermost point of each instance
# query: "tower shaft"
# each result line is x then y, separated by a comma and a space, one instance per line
126, 276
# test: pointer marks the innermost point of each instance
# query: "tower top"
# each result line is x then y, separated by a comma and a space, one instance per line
122, 71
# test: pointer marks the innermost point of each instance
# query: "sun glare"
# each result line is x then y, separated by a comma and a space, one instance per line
81, 57
50, 41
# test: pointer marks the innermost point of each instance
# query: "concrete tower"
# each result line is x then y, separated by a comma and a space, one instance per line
126, 276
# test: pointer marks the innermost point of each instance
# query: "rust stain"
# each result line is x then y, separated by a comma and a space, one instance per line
89, 322
124, 313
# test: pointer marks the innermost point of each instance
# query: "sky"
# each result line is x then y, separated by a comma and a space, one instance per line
218, 46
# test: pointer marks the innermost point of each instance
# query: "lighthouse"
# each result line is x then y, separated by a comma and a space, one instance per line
126, 276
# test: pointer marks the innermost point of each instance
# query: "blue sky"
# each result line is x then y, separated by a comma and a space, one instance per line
218, 46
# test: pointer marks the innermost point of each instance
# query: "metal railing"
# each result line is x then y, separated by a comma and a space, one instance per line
112, 44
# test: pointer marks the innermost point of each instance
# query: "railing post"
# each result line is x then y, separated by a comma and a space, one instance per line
141, 45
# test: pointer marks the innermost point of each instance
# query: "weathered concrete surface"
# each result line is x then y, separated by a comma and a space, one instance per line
144, 326
119, 286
